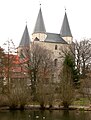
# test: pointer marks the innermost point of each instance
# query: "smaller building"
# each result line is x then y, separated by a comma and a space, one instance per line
14, 70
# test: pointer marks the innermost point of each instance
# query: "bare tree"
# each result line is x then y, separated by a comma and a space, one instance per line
40, 66
51, 94
3, 64
83, 55
19, 94
85, 87
45, 90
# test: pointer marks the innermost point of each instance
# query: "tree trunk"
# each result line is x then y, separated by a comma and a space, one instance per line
22, 107
65, 105
13, 107
42, 106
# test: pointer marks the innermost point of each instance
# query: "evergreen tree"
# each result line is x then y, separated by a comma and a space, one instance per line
70, 62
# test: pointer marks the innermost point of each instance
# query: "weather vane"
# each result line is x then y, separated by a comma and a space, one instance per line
40, 3
65, 9
26, 22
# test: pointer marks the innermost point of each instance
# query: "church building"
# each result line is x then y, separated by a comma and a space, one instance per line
51, 41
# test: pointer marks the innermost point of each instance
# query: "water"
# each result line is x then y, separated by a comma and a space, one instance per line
44, 115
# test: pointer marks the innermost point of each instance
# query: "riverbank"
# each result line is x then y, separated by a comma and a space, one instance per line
85, 108
37, 107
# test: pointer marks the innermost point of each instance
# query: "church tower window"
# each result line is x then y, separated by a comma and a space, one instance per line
56, 47
55, 62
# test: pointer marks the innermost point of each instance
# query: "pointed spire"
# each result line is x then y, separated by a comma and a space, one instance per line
39, 26
65, 29
25, 41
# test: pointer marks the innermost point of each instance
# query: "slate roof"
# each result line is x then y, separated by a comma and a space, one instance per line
39, 26
55, 38
25, 41
65, 29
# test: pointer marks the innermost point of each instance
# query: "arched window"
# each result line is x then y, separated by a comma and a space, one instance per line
56, 47
55, 62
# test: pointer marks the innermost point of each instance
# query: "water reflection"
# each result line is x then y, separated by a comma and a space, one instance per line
45, 115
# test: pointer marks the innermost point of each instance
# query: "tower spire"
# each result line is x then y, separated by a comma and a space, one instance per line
39, 26
25, 41
65, 29
26, 22
65, 9
40, 3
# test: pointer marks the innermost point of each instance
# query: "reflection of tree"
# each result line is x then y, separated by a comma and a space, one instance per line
54, 115
66, 115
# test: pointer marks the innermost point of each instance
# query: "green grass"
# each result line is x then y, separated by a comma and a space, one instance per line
81, 102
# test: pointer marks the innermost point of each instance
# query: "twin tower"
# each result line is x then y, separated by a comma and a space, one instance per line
40, 34
51, 41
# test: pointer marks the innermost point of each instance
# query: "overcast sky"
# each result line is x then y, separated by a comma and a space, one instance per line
15, 13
